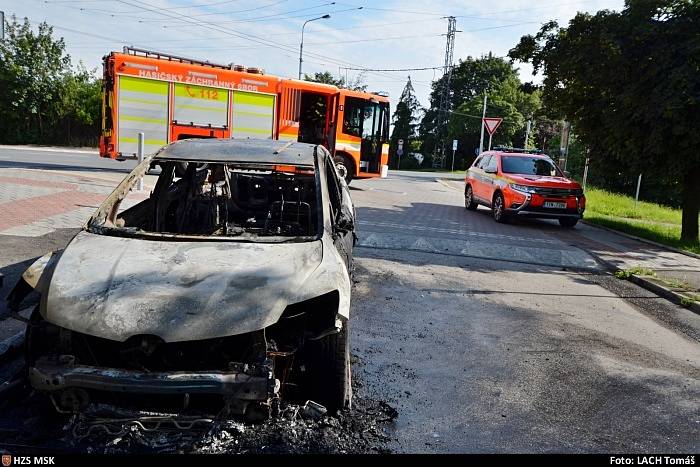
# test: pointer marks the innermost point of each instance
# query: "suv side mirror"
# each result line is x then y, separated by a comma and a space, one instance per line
567, 174
490, 170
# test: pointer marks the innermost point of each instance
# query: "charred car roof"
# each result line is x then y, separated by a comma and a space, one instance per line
251, 151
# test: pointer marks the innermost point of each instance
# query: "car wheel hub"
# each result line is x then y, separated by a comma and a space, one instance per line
342, 170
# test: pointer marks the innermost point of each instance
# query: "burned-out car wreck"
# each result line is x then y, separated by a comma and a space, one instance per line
227, 289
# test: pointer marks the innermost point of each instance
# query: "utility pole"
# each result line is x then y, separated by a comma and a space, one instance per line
483, 116
444, 109
636, 196
564, 144
527, 133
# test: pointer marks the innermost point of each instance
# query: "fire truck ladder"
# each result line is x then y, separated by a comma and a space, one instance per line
174, 58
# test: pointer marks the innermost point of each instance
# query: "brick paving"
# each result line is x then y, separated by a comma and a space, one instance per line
36, 202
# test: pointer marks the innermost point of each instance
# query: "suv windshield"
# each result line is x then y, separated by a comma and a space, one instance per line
529, 166
274, 203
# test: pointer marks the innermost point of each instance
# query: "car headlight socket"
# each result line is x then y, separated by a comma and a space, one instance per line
522, 188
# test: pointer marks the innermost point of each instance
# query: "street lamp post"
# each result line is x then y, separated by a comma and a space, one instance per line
301, 45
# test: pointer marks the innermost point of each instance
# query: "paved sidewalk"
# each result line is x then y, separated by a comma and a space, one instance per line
36, 202
40, 210
669, 269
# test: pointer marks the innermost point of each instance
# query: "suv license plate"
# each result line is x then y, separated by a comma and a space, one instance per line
553, 205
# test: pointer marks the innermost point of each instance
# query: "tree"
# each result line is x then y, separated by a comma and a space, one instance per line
32, 67
630, 83
43, 100
80, 107
507, 98
405, 123
327, 78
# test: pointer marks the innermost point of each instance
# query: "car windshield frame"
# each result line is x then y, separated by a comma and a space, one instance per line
508, 158
102, 222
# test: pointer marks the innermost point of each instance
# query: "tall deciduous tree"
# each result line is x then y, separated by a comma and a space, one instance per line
630, 82
42, 99
470, 79
32, 67
507, 98
405, 121
327, 78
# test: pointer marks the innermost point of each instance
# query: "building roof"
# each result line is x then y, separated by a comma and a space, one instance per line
251, 151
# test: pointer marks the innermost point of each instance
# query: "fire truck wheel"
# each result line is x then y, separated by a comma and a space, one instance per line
345, 167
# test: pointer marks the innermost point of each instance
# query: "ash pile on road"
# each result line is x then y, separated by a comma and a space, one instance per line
360, 430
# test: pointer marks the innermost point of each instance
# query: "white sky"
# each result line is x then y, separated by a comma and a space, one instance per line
383, 34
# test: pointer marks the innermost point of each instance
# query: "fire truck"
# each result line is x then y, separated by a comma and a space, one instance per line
169, 98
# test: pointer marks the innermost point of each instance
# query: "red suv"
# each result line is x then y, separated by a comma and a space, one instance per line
524, 184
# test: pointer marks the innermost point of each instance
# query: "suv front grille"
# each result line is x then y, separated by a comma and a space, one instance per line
558, 191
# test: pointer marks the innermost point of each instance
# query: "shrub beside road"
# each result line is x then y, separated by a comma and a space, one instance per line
652, 221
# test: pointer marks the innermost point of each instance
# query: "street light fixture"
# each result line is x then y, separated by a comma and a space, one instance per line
301, 46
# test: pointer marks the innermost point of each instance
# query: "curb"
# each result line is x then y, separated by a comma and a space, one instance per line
652, 287
643, 240
66, 149
444, 182
11, 346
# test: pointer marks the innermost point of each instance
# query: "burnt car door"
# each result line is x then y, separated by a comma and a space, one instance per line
342, 213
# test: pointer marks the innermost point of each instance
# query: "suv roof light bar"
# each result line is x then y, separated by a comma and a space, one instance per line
525, 151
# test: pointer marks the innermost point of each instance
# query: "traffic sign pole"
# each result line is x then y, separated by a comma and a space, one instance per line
454, 148
491, 125
483, 116
399, 152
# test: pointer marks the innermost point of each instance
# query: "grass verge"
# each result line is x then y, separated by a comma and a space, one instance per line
652, 221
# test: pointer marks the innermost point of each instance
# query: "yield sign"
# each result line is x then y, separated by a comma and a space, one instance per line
492, 124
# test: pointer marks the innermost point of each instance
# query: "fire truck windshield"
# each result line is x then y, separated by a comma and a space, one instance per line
367, 119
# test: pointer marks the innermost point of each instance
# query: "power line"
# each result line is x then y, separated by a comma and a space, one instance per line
276, 17
231, 32
244, 20
393, 69
130, 14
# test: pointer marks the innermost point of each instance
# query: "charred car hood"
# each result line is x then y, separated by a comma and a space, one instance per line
116, 287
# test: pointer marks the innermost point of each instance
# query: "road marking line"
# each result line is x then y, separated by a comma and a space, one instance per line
456, 231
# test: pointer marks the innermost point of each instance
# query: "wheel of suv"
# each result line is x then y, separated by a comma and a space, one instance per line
328, 374
469, 202
498, 208
568, 221
345, 168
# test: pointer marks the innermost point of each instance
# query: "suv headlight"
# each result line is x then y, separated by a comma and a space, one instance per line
523, 188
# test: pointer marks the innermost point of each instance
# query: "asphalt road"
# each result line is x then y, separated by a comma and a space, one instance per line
488, 337
510, 338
